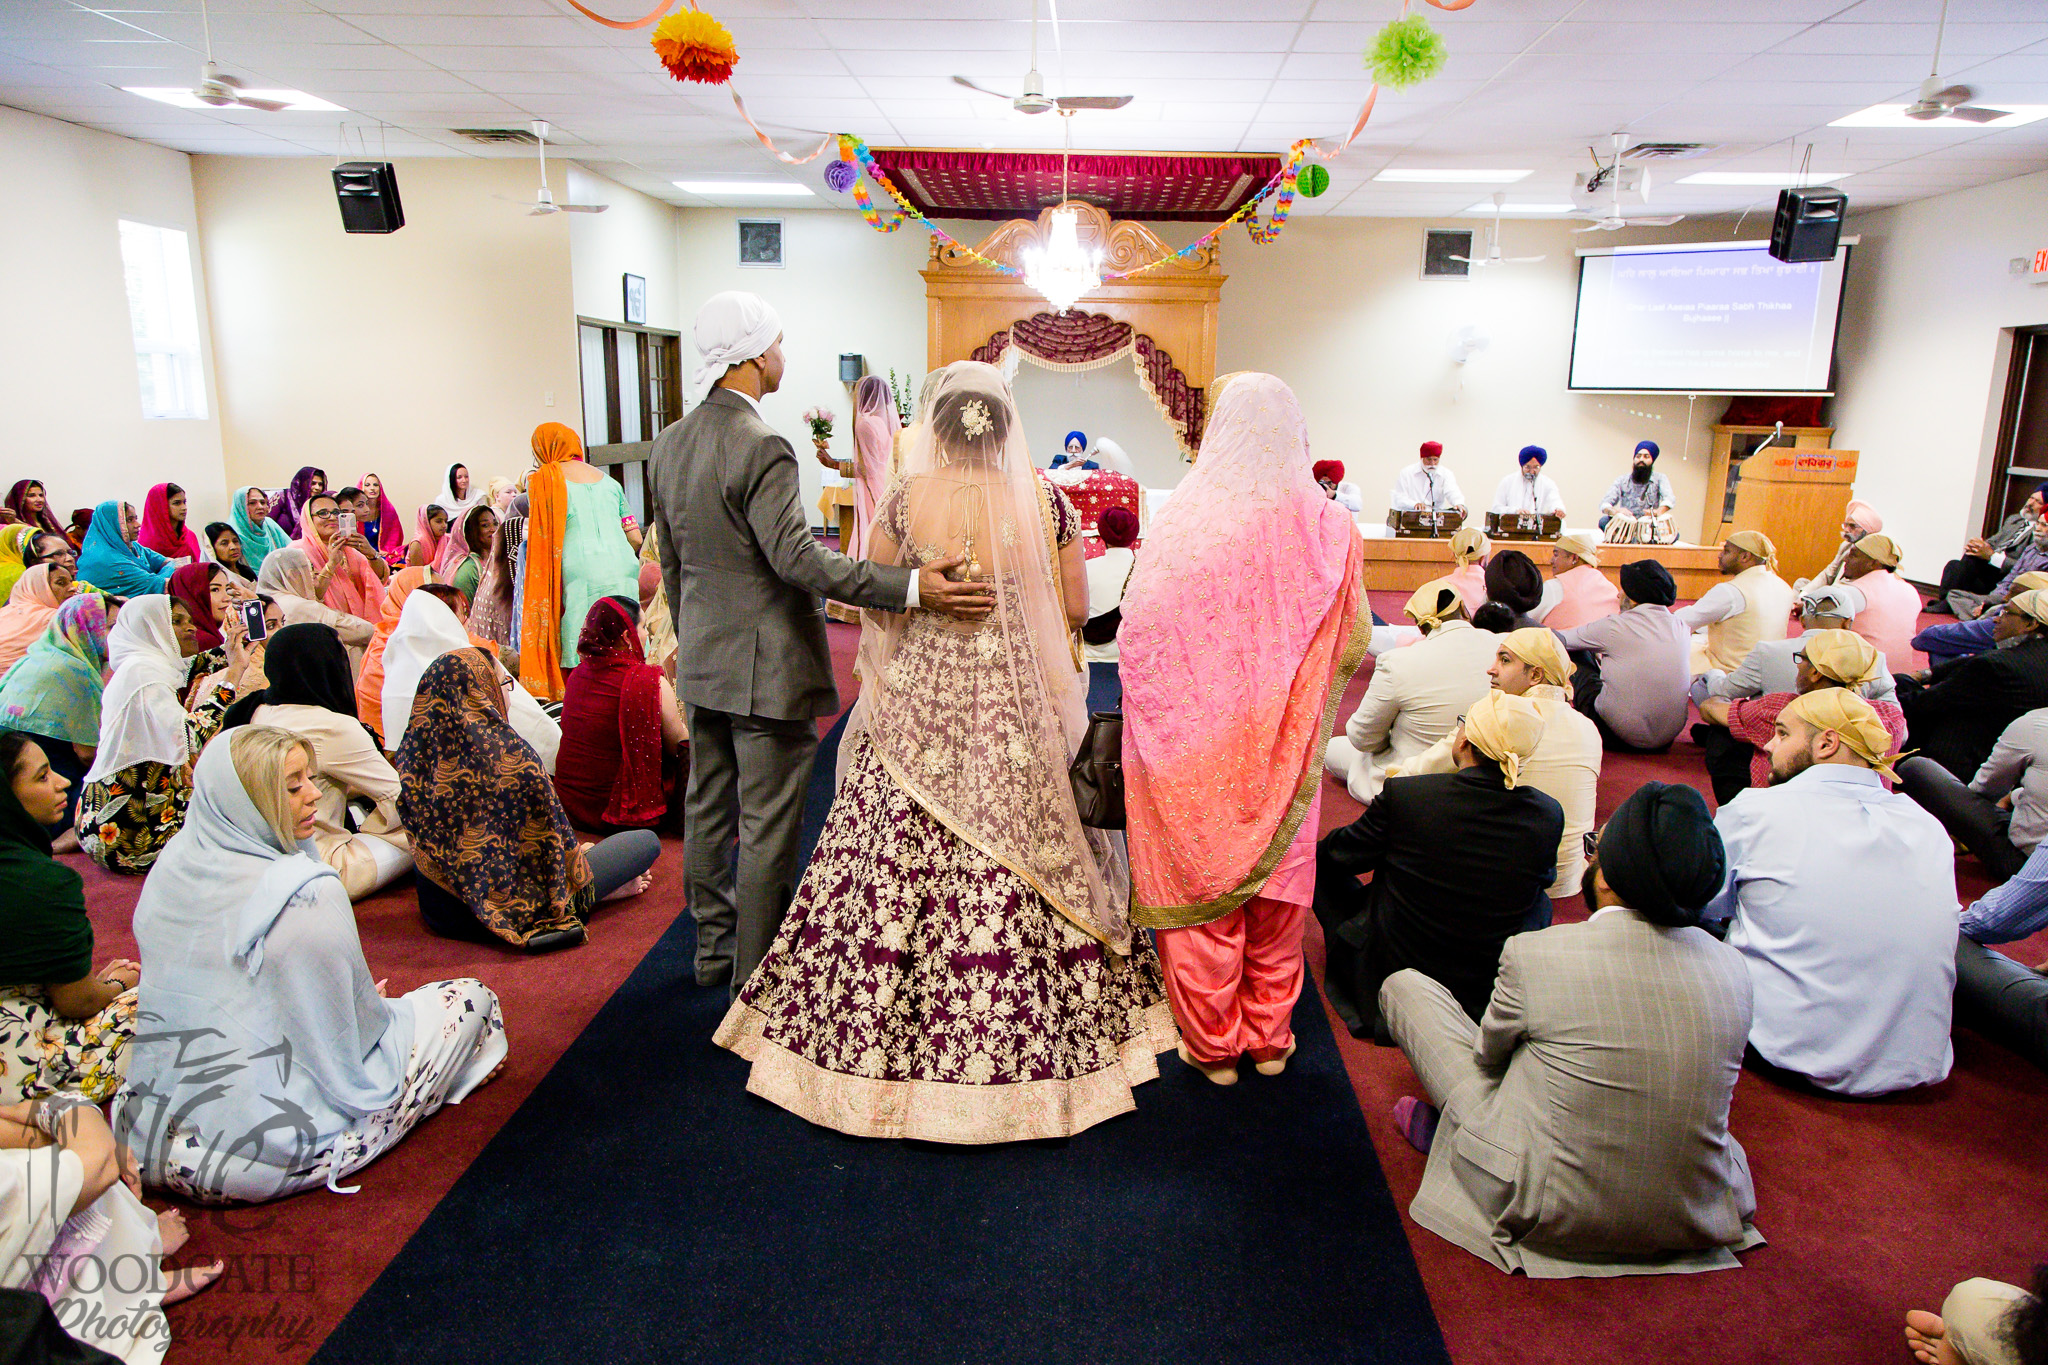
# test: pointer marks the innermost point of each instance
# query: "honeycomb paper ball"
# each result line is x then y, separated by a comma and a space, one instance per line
1311, 181
840, 176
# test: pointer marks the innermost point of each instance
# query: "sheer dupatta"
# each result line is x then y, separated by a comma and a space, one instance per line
1243, 622
874, 435
979, 729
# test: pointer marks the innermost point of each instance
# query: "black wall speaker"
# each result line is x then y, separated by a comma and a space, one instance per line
1808, 225
368, 191
851, 368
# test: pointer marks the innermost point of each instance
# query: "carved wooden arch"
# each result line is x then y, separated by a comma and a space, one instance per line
1171, 311
1086, 341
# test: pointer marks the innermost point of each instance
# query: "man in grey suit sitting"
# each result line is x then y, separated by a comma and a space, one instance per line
1584, 1120
746, 576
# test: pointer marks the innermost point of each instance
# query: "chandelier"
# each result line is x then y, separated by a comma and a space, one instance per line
1061, 270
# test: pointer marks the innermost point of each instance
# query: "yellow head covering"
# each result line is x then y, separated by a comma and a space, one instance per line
1840, 655
1541, 651
1506, 729
1434, 603
1849, 716
2029, 582
1580, 544
1758, 544
2033, 603
1469, 543
1880, 547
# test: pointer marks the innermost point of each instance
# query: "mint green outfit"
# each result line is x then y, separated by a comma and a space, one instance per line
597, 559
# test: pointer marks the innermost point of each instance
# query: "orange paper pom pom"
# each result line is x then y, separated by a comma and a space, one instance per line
695, 47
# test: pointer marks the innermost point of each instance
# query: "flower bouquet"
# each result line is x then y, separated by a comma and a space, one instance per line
821, 424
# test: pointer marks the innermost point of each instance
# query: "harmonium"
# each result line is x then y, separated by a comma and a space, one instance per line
1523, 525
1423, 525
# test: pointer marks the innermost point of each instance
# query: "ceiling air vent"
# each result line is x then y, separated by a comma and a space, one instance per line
1667, 151
520, 136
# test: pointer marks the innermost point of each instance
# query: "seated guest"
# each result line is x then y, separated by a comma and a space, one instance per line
1955, 639
493, 614
309, 692
432, 524
1529, 489
430, 625
2032, 559
249, 514
1513, 581
163, 527
380, 523
1493, 618
1416, 694
248, 940
1986, 559
53, 693
620, 763
1109, 573
140, 781
496, 857
349, 566
2000, 998
1329, 475
1566, 763
1827, 658
50, 547
1469, 549
463, 553
203, 589
1891, 606
30, 503
1433, 904
226, 543
110, 559
301, 592
1426, 487
1754, 604
2003, 812
1599, 1080
288, 507
1958, 710
63, 1026
1632, 666
30, 608
15, 542
1841, 898
370, 677
1984, 1322
1858, 521
1773, 666
1640, 499
1577, 591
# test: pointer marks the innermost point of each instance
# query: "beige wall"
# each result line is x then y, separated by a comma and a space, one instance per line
1926, 332
67, 354
635, 236
402, 354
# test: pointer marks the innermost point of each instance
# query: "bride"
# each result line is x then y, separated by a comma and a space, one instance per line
959, 963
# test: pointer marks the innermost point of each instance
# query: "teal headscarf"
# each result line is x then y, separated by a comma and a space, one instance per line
257, 541
113, 563
54, 689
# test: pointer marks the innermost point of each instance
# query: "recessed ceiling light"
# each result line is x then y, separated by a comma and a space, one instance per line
1510, 210
1894, 116
1792, 178
295, 101
1457, 177
716, 189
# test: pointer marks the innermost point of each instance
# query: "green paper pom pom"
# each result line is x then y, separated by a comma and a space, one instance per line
1406, 51
1311, 181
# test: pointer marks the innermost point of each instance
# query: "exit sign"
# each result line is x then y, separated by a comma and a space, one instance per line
2040, 269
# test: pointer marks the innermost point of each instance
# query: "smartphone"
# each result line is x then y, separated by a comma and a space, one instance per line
254, 623
348, 524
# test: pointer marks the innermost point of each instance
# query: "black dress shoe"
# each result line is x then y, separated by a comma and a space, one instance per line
555, 939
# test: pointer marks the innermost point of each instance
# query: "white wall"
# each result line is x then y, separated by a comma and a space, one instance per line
442, 342
1105, 402
67, 354
1922, 362
635, 236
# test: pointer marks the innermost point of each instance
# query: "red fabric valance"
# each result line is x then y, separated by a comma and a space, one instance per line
999, 185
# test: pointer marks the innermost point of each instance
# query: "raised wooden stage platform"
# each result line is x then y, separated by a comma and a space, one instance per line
1405, 565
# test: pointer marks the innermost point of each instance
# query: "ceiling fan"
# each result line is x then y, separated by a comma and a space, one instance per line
544, 201
1493, 256
1034, 100
223, 91
1613, 177
1939, 101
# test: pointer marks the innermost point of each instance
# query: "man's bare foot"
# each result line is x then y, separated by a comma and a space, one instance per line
1927, 1335
632, 888
67, 842
189, 1281
171, 1230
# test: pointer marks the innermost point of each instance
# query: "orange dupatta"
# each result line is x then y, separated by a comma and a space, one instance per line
547, 523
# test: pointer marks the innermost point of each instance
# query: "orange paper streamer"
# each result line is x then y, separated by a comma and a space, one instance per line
627, 25
766, 141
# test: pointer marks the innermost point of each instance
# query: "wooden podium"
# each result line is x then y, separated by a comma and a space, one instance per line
1797, 497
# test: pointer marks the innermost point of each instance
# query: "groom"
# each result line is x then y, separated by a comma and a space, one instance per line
745, 574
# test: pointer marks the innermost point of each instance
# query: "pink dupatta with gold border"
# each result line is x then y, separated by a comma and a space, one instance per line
1242, 625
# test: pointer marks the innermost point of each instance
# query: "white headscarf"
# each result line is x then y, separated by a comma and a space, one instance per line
426, 630
731, 328
1111, 456
141, 718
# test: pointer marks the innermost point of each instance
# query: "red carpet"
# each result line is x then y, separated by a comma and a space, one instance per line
1870, 1207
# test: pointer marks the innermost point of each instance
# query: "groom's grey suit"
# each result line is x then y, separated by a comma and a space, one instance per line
746, 576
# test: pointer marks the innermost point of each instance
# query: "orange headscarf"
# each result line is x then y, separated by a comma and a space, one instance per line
547, 522
370, 680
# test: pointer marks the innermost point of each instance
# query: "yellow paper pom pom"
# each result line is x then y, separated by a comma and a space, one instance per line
695, 47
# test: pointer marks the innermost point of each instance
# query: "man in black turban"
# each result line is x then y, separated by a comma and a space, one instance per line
1582, 1127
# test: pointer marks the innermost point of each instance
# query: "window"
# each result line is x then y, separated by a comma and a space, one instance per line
164, 313
632, 388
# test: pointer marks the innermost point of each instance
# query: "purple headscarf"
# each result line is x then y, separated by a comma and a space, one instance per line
284, 508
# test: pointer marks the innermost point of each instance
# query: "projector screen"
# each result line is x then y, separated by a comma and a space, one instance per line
1705, 318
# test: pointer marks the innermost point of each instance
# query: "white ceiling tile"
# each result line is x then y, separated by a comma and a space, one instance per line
408, 30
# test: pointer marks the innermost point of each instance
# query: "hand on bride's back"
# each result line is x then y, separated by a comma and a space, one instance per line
966, 601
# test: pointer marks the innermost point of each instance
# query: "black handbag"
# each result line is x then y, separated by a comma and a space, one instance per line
1097, 772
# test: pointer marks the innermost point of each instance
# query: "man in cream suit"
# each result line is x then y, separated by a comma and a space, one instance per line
745, 576
1581, 1128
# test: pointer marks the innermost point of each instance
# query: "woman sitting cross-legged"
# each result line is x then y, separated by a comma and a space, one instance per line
308, 692
493, 847
622, 735
62, 1025
248, 940
52, 694
141, 775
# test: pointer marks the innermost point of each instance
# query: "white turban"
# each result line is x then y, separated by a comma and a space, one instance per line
732, 327
1111, 456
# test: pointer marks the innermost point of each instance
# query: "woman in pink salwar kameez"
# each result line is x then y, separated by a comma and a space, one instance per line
1241, 627
874, 438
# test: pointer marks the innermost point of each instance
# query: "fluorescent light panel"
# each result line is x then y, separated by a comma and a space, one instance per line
297, 101
1894, 116
1396, 175
718, 189
1788, 178
1510, 210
